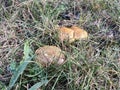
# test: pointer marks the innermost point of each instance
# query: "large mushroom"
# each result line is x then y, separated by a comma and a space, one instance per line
48, 55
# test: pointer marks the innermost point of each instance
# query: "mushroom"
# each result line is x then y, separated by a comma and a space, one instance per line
48, 55
66, 34
79, 33
71, 34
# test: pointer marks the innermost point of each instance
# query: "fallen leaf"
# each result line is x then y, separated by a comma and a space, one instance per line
48, 55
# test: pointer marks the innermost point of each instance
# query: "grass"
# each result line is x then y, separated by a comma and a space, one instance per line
92, 64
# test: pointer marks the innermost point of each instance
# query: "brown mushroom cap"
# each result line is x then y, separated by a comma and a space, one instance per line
66, 34
79, 33
48, 55
72, 34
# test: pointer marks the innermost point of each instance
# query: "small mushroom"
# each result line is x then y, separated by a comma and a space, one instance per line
66, 34
48, 55
72, 34
79, 33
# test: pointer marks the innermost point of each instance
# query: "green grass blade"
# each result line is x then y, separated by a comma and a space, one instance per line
38, 85
26, 59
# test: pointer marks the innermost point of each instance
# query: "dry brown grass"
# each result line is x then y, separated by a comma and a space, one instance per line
91, 65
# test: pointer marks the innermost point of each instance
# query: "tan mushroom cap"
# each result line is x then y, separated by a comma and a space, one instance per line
79, 33
66, 34
72, 34
48, 55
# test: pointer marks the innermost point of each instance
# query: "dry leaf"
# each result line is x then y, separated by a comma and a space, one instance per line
48, 55
72, 34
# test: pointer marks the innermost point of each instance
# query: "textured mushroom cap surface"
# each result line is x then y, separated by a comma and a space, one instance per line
72, 34
48, 55
79, 33
66, 34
